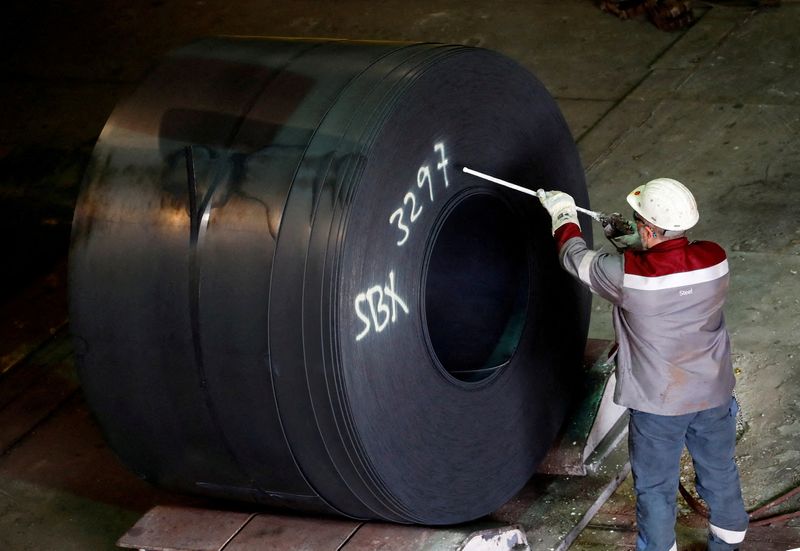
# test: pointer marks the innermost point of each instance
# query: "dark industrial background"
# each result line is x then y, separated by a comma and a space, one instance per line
716, 105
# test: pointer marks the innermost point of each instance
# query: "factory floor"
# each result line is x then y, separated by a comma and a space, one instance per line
716, 106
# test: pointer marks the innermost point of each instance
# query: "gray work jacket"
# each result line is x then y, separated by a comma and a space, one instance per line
673, 352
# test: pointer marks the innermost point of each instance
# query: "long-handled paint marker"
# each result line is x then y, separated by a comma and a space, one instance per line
595, 215
620, 224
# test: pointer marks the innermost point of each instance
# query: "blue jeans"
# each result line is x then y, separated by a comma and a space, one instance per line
655, 444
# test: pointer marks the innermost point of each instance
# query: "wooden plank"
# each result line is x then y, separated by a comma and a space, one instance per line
32, 317
176, 528
554, 509
17, 381
293, 532
393, 537
62, 488
36, 369
771, 538
35, 389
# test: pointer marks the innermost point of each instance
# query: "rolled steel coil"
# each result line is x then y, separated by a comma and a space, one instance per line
285, 291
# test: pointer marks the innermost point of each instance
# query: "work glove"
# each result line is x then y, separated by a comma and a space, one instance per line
560, 206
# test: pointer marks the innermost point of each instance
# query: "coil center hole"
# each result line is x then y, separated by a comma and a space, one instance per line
476, 287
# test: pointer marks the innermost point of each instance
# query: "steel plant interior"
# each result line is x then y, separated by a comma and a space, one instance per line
715, 105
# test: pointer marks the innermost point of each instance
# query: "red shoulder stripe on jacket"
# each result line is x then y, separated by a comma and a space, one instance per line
673, 256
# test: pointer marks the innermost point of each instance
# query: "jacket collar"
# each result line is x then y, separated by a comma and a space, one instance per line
668, 245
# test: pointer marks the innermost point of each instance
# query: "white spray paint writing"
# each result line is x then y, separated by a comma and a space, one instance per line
378, 314
379, 306
424, 178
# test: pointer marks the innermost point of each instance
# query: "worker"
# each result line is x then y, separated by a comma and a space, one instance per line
673, 363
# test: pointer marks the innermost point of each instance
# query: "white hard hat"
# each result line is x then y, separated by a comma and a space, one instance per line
665, 203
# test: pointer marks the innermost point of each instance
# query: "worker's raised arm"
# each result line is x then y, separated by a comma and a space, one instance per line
600, 271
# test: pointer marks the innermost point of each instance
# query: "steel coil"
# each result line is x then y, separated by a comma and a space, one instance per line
284, 290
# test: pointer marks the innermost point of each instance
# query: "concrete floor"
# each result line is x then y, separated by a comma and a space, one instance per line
716, 106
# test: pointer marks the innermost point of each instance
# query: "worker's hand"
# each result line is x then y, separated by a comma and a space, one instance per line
615, 225
560, 206
629, 241
621, 232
